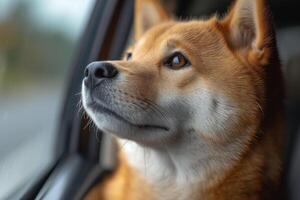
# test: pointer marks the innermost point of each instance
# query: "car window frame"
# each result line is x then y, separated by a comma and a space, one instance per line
80, 156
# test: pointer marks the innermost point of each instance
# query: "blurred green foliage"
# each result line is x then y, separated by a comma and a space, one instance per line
30, 52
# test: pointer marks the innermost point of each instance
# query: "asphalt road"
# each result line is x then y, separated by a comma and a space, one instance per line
27, 133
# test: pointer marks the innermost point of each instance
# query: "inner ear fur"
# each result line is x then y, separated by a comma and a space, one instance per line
148, 13
248, 28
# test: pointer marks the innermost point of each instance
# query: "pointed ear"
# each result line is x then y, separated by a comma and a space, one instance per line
248, 27
147, 14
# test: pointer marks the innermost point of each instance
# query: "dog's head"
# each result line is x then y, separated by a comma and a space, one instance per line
179, 78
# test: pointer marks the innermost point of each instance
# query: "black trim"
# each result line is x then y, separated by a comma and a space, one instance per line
31, 188
81, 163
70, 112
66, 178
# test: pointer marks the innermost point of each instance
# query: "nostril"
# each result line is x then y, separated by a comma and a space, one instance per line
99, 73
86, 72
105, 70
112, 72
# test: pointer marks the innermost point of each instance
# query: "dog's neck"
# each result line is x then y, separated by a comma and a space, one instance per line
181, 168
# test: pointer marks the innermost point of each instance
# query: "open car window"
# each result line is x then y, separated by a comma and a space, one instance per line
38, 39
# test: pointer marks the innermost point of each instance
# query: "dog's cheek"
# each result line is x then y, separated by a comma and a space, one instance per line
212, 114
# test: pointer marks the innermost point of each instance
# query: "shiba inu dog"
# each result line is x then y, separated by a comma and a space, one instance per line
195, 106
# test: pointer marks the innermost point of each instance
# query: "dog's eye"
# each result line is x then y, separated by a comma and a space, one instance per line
128, 56
176, 61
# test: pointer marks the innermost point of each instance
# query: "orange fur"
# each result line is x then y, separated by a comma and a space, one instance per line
228, 60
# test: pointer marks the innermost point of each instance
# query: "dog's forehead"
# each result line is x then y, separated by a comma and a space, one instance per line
153, 37
193, 33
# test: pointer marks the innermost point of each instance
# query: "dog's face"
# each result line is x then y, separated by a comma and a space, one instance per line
179, 78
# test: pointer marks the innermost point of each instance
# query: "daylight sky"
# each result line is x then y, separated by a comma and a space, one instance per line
66, 15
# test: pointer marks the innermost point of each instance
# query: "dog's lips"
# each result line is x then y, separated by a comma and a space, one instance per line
97, 107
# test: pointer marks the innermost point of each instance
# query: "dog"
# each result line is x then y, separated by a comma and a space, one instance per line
196, 107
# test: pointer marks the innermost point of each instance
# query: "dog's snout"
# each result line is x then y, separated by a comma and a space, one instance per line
97, 71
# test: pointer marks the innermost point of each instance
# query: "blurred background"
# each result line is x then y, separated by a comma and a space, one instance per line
37, 41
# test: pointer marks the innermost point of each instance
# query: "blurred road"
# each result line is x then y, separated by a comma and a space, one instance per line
27, 132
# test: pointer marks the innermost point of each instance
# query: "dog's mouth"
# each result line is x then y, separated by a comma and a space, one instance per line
99, 108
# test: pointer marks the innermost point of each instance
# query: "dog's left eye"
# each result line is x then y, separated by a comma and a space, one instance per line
176, 61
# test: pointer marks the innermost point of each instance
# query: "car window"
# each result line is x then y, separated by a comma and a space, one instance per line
37, 41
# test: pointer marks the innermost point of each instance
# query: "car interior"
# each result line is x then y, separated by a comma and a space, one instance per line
86, 155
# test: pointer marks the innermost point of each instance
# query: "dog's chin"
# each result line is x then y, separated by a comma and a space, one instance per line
143, 134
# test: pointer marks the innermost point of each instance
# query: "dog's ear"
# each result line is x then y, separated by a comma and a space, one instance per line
147, 14
248, 29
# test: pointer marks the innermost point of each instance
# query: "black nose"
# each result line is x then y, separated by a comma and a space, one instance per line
97, 71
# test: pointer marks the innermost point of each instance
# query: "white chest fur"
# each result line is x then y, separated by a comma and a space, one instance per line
159, 170
180, 171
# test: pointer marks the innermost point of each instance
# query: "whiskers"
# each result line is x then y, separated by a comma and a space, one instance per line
79, 107
260, 108
139, 102
157, 110
84, 118
89, 123
91, 127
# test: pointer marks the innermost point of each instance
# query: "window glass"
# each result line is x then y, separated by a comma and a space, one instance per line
37, 41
